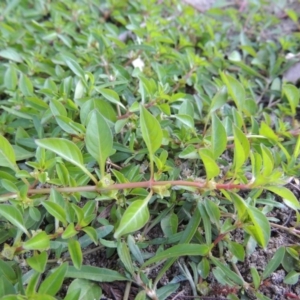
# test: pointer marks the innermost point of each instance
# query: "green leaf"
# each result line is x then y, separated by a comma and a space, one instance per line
255, 277
203, 268
167, 290
292, 277
218, 137
169, 224
261, 230
95, 274
14, 216
274, 263
7, 154
25, 85
187, 120
111, 96
38, 262
287, 196
99, 139
235, 90
210, 165
230, 274
53, 282
87, 290
11, 54
178, 251
151, 131
67, 150
292, 94
7, 271
11, 78
134, 249
125, 257
40, 241
69, 232
56, 211
75, 253
6, 288
75, 67
134, 218
237, 250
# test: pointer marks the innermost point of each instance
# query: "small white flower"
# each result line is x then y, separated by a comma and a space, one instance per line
138, 63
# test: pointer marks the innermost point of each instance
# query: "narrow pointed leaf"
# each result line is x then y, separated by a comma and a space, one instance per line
111, 96
287, 196
178, 251
38, 262
52, 284
75, 253
95, 274
274, 263
56, 211
99, 139
41, 241
218, 137
151, 131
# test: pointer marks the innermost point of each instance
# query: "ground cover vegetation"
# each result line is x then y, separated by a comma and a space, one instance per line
146, 145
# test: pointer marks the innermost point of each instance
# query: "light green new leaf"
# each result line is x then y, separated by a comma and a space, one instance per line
292, 94
187, 120
274, 263
52, 284
95, 274
14, 216
177, 251
111, 96
135, 217
261, 230
99, 139
11, 54
7, 154
40, 241
210, 165
75, 253
87, 290
151, 130
67, 150
56, 211
38, 261
287, 196
218, 137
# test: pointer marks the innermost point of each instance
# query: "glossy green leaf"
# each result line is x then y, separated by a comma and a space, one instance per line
211, 168
67, 150
287, 196
260, 230
56, 211
7, 154
11, 54
99, 139
53, 282
178, 251
87, 290
111, 96
40, 241
95, 274
75, 253
218, 137
14, 216
38, 261
75, 67
151, 130
134, 218
186, 120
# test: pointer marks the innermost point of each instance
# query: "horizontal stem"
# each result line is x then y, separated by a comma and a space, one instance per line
130, 185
